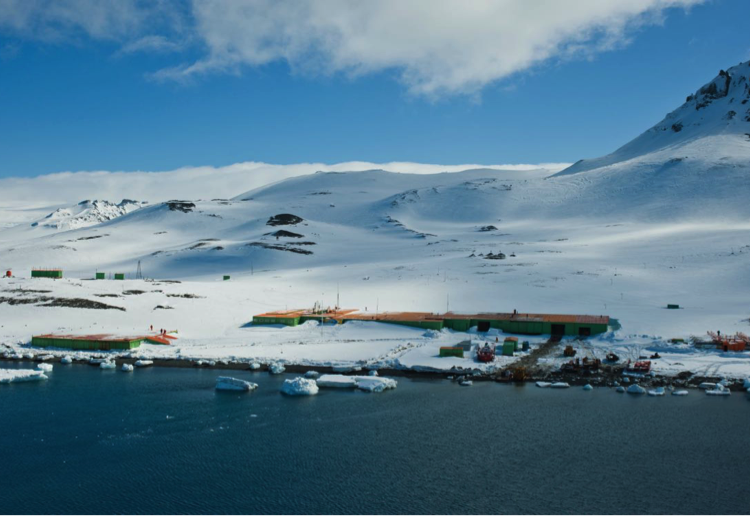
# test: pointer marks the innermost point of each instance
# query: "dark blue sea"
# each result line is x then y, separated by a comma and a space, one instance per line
161, 440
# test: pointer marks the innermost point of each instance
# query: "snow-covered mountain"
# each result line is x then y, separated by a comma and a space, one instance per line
87, 213
712, 125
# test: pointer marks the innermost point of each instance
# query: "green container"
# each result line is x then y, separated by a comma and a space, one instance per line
119, 275
673, 307
84, 344
46, 273
451, 352
226, 278
99, 275
508, 348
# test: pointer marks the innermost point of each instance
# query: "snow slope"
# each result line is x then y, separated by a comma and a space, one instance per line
664, 219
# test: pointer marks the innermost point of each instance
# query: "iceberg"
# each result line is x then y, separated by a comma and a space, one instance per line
365, 383
276, 368
21, 375
66, 360
44, 367
620, 388
109, 364
97, 361
588, 387
636, 389
299, 387
337, 381
143, 363
227, 383
719, 390
560, 385
127, 368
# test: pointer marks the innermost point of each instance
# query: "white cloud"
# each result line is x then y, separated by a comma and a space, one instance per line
434, 47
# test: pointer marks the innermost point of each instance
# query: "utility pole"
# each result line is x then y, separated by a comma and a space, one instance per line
138, 272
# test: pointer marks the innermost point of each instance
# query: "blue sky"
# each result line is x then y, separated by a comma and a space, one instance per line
73, 97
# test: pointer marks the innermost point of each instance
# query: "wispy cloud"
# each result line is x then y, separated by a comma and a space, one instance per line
434, 47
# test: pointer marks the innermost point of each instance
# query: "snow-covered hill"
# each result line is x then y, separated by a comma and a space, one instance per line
86, 213
664, 219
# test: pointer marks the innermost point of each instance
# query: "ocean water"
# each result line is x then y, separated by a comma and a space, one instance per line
163, 441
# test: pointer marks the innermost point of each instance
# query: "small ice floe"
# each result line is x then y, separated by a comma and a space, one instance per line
276, 368
312, 375
227, 383
625, 379
376, 384
707, 385
341, 369
21, 375
746, 384
659, 391
44, 367
109, 364
337, 381
620, 388
560, 385
374, 372
588, 387
66, 360
719, 390
636, 389
465, 383
365, 383
255, 366
127, 368
44, 358
543, 385
681, 392
299, 387
97, 361
143, 363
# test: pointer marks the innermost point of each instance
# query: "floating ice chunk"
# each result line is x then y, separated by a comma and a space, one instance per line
312, 374
543, 385
255, 366
659, 391
276, 368
337, 381
227, 383
97, 361
44, 358
341, 369
28, 356
109, 364
588, 387
66, 360
560, 385
620, 388
636, 389
374, 372
21, 375
465, 383
375, 384
682, 392
127, 368
44, 367
299, 387
746, 383
143, 363
707, 385
719, 390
